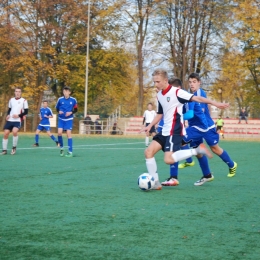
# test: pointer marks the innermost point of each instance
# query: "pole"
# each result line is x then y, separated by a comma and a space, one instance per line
87, 60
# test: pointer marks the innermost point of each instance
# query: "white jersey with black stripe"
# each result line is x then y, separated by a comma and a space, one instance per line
170, 104
17, 106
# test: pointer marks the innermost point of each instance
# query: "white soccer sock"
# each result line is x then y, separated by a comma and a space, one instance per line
183, 154
152, 168
15, 141
146, 140
5, 143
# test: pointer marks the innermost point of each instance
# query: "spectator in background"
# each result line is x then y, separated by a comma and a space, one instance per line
243, 115
98, 126
87, 123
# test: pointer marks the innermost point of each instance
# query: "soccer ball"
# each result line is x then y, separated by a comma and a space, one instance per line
146, 182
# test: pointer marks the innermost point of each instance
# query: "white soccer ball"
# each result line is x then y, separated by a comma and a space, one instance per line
146, 182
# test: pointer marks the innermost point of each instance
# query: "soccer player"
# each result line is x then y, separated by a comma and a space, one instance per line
66, 106
170, 105
211, 136
45, 114
148, 117
17, 109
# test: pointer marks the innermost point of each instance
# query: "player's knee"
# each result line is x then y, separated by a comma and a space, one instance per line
216, 150
148, 153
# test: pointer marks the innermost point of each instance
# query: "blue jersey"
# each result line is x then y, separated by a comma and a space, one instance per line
201, 93
199, 120
160, 126
66, 105
45, 112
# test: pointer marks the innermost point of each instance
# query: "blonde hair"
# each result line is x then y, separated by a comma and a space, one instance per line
160, 72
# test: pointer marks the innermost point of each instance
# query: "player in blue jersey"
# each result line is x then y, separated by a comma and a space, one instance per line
45, 115
66, 106
211, 136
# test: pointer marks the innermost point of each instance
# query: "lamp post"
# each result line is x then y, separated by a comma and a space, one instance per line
87, 60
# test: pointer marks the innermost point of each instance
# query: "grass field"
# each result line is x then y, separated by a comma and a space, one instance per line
90, 207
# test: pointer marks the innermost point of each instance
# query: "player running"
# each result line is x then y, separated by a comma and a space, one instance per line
17, 109
45, 115
211, 136
66, 106
170, 105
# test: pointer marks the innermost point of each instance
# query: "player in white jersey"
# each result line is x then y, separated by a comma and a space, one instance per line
149, 116
17, 109
170, 105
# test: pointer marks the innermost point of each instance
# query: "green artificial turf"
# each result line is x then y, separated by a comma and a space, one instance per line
90, 207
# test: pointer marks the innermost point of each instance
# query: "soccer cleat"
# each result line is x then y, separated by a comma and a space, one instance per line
69, 154
202, 149
13, 150
36, 145
61, 153
157, 186
204, 179
186, 164
232, 171
57, 143
170, 182
4, 152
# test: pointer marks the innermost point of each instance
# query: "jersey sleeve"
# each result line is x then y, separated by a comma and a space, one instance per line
183, 96
25, 104
50, 112
159, 109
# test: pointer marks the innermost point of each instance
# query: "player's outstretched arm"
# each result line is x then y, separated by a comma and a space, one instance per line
209, 101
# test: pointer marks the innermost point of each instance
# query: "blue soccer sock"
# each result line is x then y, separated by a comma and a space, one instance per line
204, 165
53, 138
36, 138
70, 144
60, 140
226, 159
186, 147
174, 170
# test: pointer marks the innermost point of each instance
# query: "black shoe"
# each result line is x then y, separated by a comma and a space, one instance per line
36, 145
4, 152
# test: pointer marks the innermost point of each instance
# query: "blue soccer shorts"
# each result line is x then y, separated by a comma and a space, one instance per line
65, 125
211, 137
41, 128
193, 136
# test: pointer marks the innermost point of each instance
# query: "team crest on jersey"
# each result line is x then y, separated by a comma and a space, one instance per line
168, 99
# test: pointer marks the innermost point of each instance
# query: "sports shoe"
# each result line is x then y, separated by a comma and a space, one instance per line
157, 186
232, 171
61, 153
170, 182
13, 150
36, 145
186, 164
57, 143
4, 152
69, 154
204, 179
202, 149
